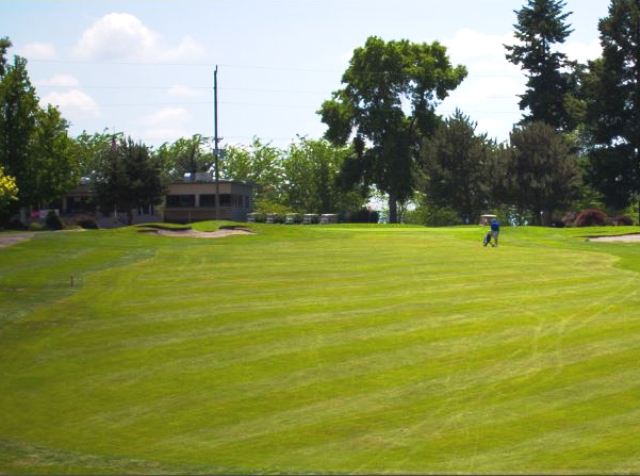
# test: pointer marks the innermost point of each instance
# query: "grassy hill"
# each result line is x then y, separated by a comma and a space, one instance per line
342, 349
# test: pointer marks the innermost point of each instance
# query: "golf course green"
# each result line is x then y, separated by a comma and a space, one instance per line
320, 349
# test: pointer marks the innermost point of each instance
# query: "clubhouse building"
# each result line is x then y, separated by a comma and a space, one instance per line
189, 201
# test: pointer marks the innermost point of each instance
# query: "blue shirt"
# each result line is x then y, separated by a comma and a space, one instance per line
495, 225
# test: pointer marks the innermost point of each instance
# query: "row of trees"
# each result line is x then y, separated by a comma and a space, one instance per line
529, 177
578, 141
35, 150
40, 162
599, 102
304, 177
579, 136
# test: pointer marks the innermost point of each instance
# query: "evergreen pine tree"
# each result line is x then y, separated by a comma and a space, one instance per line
541, 25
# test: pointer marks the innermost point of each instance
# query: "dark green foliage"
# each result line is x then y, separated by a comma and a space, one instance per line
613, 172
591, 217
88, 223
382, 79
15, 224
442, 216
257, 217
34, 146
128, 177
457, 167
622, 220
613, 112
18, 112
5, 44
543, 174
364, 215
542, 24
53, 221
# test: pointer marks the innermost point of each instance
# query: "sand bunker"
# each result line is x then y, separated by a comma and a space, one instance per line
12, 239
630, 238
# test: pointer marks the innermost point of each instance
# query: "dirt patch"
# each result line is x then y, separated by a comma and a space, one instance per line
630, 238
13, 238
203, 234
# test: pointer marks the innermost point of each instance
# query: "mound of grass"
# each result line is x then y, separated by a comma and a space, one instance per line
164, 226
316, 349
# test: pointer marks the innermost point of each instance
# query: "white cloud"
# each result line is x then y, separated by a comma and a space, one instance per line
582, 52
122, 36
179, 90
469, 44
73, 103
167, 115
38, 51
60, 81
187, 49
489, 94
167, 124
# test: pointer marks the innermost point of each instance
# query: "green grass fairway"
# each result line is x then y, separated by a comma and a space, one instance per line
320, 349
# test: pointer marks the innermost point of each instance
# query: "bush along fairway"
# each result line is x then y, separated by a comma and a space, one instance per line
320, 349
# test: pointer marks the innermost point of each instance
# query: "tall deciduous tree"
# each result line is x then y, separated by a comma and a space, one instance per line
18, 115
34, 146
312, 169
187, 155
543, 173
259, 163
53, 159
458, 165
387, 104
613, 113
90, 147
128, 177
540, 26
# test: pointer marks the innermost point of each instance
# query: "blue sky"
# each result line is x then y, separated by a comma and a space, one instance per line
146, 67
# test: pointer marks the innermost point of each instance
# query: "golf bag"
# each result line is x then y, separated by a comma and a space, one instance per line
487, 239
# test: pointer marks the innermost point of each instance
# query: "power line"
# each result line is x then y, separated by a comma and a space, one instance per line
257, 90
236, 66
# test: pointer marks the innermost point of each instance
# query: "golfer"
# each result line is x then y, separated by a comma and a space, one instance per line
495, 231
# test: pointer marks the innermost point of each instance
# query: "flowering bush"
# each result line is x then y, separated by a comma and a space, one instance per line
8, 189
592, 217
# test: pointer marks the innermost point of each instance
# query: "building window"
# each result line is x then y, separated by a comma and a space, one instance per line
207, 201
181, 201
225, 200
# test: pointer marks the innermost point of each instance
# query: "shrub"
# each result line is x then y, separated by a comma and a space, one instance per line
16, 224
36, 226
363, 215
417, 216
53, 221
257, 217
569, 218
442, 217
622, 220
87, 223
591, 217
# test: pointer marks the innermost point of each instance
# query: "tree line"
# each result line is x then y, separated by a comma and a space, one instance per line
576, 146
578, 142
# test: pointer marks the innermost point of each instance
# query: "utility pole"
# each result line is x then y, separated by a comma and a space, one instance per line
216, 140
